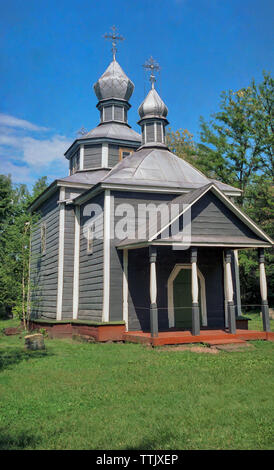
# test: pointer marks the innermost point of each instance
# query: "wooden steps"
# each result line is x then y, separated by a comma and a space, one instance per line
210, 337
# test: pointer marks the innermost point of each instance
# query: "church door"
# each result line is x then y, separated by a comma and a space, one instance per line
182, 298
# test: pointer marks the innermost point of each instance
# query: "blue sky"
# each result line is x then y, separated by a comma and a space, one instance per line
53, 51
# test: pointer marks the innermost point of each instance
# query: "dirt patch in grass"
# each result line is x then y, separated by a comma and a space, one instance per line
234, 347
190, 347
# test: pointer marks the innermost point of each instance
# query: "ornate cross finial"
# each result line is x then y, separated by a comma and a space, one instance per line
82, 131
114, 37
153, 66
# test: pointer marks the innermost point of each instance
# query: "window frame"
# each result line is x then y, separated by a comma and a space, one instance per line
122, 150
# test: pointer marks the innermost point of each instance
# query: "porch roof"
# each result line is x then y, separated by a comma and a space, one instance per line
184, 202
206, 241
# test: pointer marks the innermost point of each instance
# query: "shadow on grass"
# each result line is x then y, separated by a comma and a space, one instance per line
14, 356
21, 441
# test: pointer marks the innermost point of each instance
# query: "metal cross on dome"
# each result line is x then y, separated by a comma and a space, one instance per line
152, 66
114, 37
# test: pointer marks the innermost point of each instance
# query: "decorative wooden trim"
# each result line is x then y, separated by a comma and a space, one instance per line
61, 255
76, 263
125, 287
106, 273
174, 273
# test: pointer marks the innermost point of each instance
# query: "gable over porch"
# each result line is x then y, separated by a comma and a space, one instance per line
203, 266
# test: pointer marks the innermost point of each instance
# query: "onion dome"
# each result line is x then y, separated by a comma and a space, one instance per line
153, 106
114, 84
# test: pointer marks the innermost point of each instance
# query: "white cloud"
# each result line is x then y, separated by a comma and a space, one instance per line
44, 152
26, 157
20, 174
11, 121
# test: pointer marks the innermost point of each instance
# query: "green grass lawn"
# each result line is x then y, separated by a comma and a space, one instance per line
125, 396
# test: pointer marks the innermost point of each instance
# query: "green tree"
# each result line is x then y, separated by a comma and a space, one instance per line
237, 144
15, 223
182, 144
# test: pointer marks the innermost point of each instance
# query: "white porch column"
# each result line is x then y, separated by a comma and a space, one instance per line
76, 262
229, 293
153, 292
238, 287
263, 288
195, 293
125, 287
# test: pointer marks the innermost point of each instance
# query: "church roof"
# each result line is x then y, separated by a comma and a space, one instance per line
157, 166
86, 177
113, 130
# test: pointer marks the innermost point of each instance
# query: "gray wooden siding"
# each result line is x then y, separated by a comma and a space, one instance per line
108, 113
159, 132
113, 155
211, 217
150, 132
116, 259
44, 268
91, 270
67, 306
92, 156
71, 193
118, 113
75, 160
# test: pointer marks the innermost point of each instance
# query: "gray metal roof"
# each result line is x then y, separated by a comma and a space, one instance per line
113, 130
86, 177
157, 166
114, 84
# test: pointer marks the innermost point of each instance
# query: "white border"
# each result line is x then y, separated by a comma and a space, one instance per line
104, 160
61, 255
174, 273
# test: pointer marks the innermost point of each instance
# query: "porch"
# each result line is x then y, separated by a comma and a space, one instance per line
204, 308
208, 337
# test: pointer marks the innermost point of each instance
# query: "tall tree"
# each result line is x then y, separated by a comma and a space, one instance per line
237, 144
15, 221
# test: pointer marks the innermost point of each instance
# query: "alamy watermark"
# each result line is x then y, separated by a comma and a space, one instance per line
140, 222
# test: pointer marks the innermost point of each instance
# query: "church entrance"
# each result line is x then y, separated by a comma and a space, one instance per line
183, 299
180, 297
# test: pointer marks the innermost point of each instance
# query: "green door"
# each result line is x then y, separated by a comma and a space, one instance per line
182, 298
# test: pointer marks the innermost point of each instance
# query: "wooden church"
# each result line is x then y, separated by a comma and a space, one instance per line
101, 266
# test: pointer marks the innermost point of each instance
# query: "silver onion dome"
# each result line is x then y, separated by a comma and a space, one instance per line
114, 84
153, 106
